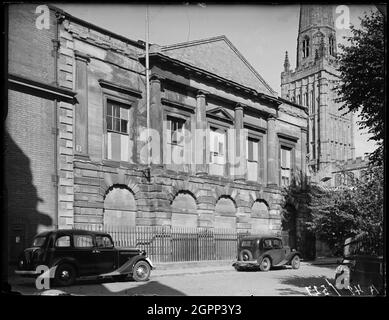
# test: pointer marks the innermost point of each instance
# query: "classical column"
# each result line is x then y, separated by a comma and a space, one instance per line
81, 109
240, 145
156, 120
272, 152
200, 134
304, 150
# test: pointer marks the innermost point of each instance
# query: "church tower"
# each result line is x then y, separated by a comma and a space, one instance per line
312, 83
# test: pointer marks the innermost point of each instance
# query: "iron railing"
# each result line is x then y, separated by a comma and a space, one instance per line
171, 244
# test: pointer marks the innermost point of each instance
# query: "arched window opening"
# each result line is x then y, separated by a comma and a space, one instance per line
306, 47
184, 210
119, 207
332, 45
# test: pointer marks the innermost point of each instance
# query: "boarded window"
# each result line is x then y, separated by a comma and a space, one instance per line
119, 207
225, 207
117, 119
259, 209
184, 202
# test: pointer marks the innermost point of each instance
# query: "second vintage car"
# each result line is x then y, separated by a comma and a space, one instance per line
264, 252
72, 254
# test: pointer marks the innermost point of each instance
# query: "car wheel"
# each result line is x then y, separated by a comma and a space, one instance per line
65, 275
245, 255
295, 263
141, 271
265, 264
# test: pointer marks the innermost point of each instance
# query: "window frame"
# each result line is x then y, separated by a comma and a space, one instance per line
261, 156
187, 115
291, 145
132, 104
219, 125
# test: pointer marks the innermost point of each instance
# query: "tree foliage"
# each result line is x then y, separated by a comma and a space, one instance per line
342, 213
362, 74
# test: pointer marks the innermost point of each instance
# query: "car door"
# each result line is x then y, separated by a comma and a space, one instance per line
277, 252
105, 254
83, 252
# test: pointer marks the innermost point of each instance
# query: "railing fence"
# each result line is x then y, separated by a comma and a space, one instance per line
170, 244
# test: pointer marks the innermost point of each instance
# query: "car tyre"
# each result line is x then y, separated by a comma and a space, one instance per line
245, 255
265, 264
65, 275
141, 271
295, 263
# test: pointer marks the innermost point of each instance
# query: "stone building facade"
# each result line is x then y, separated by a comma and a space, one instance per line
77, 117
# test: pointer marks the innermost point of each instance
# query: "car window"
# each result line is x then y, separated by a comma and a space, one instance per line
267, 243
63, 241
103, 242
38, 241
277, 244
83, 241
246, 243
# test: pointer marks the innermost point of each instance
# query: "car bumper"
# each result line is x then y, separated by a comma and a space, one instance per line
27, 273
246, 264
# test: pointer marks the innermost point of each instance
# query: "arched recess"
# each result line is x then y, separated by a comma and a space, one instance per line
119, 207
184, 210
225, 213
259, 219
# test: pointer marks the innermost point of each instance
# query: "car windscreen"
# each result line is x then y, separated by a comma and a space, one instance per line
38, 241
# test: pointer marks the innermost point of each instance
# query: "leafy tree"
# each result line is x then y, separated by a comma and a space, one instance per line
362, 72
349, 211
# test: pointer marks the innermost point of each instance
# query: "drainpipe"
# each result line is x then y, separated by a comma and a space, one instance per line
58, 18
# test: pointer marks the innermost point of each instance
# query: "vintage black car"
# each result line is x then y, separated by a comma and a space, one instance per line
264, 252
72, 254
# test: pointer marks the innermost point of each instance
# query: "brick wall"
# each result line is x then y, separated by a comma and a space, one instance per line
29, 165
30, 49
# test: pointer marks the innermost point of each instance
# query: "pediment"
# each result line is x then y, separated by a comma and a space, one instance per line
219, 56
221, 114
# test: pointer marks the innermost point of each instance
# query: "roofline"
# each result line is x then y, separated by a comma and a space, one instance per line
222, 37
97, 28
262, 95
294, 104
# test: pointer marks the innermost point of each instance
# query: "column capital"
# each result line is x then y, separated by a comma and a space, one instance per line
81, 56
201, 93
239, 106
271, 117
155, 77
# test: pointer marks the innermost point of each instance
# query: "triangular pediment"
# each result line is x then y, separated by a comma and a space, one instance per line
219, 56
221, 114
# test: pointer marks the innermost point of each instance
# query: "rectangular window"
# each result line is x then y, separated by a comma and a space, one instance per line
217, 149
175, 140
117, 119
252, 149
286, 166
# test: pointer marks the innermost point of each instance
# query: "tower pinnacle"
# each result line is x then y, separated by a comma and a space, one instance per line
286, 62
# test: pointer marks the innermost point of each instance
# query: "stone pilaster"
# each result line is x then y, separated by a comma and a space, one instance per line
81, 109
156, 120
200, 134
323, 114
240, 145
272, 151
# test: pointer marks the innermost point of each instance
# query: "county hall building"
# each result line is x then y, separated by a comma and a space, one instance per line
75, 126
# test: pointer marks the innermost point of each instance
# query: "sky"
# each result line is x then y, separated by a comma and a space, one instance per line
262, 33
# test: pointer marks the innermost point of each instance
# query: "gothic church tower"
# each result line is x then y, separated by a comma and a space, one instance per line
311, 84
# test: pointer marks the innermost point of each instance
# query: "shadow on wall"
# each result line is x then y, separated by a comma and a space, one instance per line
21, 201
